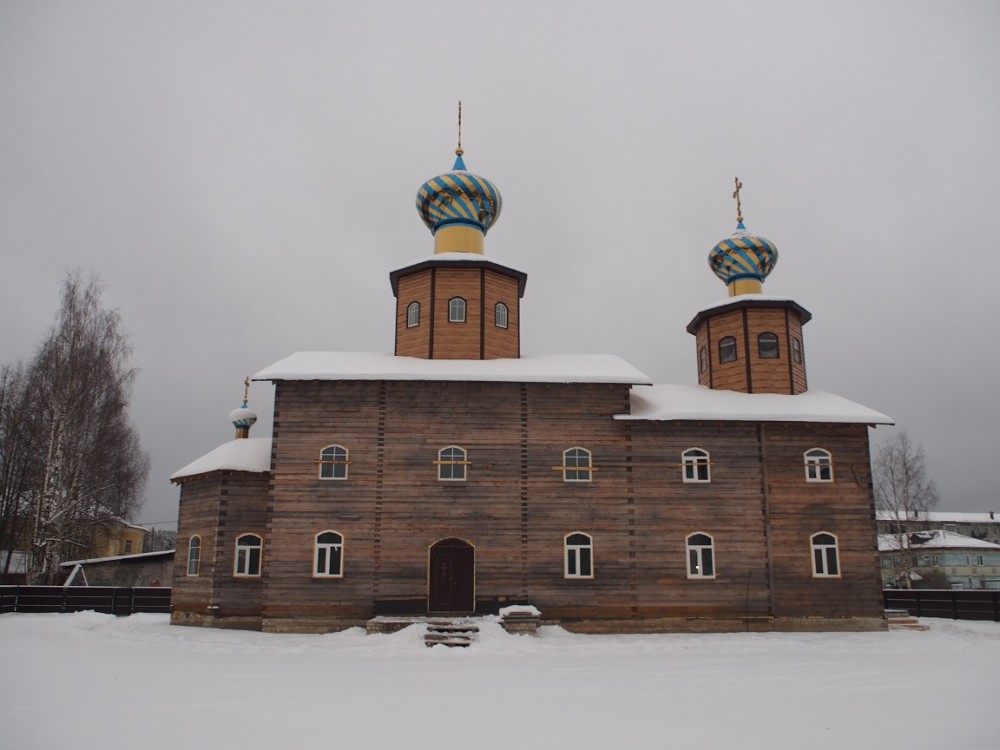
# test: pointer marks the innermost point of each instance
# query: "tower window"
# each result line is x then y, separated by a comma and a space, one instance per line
767, 346
194, 555
819, 465
727, 350
824, 555
456, 310
701, 556
333, 462
501, 315
451, 464
248, 549
579, 556
413, 315
703, 359
797, 351
696, 466
328, 555
576, 465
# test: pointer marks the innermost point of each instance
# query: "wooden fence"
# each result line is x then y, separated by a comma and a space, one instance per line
109, 600
958, 604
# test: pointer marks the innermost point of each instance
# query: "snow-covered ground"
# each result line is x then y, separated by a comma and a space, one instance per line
94, 681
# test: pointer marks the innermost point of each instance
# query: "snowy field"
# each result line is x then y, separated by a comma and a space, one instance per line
95, 681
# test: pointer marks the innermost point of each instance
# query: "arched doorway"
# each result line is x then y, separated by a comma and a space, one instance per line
451, 577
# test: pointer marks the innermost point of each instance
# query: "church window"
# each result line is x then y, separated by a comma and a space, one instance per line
451, 464
576, 465
413, 315
328, 557
579, 556
456, 310
703, 359
727, 350
797, 351
501, 315
248, 550
701, 556
194, 555
696, 465
333, 462
767, 346
825, 558
819, 465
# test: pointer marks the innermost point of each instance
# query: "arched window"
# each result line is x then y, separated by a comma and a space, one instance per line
579, 556
194, 555
701, 556
413, 315
456, 310
248, 551
500, 314
576, 465
328, 555
727, 350
696, 465
819, 465
826, 560
703, 359
451, 464
333, 462
797, 351
767, 346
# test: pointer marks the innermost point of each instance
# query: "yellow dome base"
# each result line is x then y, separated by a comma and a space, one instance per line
745, 286
458, 239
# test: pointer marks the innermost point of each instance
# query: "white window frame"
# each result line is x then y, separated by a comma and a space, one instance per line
820, 551
500, 312
578, 469
194, 556
242, 567
818, 465
694, 463
456, 461
322, 568
334, 457
413, 315
695, 555
457, 310
578, 555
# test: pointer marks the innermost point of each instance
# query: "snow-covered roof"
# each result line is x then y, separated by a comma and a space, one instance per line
113, 558
747, 298
682, 402
242, 454
932, 539
935, 516
552, 368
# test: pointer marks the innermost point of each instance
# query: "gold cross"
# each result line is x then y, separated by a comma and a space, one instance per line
736, 195
246, 389
458, 151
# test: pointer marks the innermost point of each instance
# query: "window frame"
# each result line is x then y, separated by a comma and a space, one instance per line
578, 555
453, 308
818, 465
772, 338
728, 343
452, 463
334, 462
694, 555
703, 359
819, 553
693, 460
194, 556
577, 469
248, 558
413, 314
796, 350
326, 548
501, 315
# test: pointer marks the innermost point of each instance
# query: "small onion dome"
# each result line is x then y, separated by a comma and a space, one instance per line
743, 256
243, 417
459, 198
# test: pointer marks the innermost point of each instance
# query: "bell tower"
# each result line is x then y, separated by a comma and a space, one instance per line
457, 304
750, 342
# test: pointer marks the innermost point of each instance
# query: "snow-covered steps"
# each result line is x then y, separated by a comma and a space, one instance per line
452, 633
900, 619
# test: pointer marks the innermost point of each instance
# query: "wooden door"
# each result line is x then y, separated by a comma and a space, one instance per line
452, 577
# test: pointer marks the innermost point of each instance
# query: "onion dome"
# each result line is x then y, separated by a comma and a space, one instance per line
459, 198
243, 417
743, 260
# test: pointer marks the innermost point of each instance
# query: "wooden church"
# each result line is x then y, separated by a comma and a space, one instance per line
456, 476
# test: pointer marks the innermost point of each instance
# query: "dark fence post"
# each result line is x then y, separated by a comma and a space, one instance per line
954, 605
62, 604
920, 602
996, 606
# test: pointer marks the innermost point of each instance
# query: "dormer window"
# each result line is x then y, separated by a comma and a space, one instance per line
727, 350
767, 346
413, 315
501, 315
456, 310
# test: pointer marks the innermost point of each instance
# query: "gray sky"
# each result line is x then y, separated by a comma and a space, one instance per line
242, 176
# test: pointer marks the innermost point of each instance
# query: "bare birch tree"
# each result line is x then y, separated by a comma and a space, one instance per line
903, 489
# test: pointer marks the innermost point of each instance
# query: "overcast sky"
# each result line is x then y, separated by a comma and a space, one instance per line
242, 175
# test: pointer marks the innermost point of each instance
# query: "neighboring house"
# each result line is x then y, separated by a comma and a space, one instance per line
456, 476
941, 559
125, 538
984, 526
146, 569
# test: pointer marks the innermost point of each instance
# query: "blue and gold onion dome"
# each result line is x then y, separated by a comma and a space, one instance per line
743, 256
459, 198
